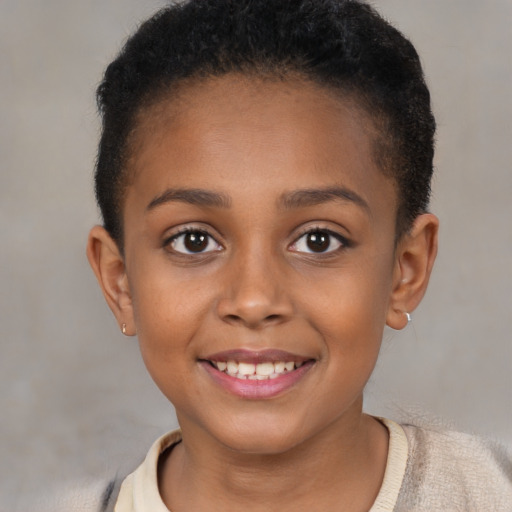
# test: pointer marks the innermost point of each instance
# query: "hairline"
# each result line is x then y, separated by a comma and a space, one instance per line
171, 93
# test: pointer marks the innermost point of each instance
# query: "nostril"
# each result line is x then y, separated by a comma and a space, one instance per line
253, 308
253, 321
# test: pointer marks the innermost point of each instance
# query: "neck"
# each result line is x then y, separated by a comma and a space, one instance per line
339, 469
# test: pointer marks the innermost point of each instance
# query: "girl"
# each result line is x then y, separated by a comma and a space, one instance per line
264, 178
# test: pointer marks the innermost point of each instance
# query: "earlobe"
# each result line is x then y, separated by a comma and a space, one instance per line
414, 259
108, 265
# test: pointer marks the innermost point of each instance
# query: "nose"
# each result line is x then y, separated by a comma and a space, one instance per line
256, 294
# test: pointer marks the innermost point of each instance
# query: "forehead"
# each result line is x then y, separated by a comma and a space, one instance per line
263, 134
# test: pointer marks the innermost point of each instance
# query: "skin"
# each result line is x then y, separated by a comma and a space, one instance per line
260, 144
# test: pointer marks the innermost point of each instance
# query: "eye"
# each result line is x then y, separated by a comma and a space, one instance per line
193, 242
319, 241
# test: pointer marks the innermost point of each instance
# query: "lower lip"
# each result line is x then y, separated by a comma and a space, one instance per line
258, 389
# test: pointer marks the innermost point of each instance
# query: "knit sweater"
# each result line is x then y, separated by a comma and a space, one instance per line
427, 470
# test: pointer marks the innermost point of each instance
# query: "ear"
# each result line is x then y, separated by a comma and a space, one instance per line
414, 259
108, 265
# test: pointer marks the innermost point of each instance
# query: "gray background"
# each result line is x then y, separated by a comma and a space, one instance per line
75, 400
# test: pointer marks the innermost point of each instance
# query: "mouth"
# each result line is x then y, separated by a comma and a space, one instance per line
251, 371
261, 374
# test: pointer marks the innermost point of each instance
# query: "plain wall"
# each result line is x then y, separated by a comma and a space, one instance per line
75, 399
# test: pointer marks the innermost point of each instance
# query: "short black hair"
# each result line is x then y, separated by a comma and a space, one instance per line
343, 45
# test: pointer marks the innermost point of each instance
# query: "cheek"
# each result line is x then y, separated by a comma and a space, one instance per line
167, 318
168, 311
349, 311
354, 298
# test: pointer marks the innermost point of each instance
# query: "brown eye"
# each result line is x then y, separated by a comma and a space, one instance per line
194, 242
319, 241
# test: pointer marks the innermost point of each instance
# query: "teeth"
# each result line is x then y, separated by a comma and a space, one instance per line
265, 369
279, 367
261, 371
232, 367
246, 368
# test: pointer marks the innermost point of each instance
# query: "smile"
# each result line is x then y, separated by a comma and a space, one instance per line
257, 375
261, 371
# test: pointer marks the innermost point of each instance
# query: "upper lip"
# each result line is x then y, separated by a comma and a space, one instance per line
255, 356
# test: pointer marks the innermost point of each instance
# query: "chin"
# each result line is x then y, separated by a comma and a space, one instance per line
261, 438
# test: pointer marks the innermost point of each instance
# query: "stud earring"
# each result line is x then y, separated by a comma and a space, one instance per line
123, 329
408, 316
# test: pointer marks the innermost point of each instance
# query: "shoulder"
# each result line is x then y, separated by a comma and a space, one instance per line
78, 496
141, 486
449, 470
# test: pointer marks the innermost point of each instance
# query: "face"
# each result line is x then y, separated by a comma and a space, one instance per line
259, 253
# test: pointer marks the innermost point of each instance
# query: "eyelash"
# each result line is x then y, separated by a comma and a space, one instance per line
344, 243
189, 231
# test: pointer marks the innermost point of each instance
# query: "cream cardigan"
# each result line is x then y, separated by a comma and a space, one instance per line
426, 470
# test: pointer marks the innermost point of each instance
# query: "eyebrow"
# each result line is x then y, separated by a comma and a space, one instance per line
289, 200
315, 196
195, 196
